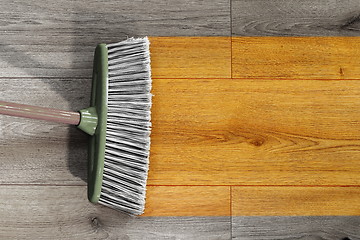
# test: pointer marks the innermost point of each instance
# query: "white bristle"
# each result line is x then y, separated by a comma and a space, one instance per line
128, 126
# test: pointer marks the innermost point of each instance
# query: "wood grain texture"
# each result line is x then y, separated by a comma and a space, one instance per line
63, 212
115, 18
295, 58
42, 152
259, 137
302, 228
187, 201
171, 57
58, 38
295, 201
190, 57
295, 18
46, 59
255, 132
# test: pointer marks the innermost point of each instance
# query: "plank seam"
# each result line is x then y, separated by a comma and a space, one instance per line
268, 79
231, 42
199, 78
231, 215
162, 185
43, 185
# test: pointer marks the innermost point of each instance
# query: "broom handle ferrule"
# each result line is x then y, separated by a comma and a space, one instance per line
41, 113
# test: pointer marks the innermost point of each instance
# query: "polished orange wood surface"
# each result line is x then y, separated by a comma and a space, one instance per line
296, 57
276, 119
190, 57
255, 132
295, 201
188, 201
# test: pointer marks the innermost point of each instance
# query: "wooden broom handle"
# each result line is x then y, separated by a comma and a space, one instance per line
41, 113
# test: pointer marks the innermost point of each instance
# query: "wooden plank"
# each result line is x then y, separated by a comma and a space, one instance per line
171, 57
205, 132
41, 152
295, 201
295, 58
188, 201
63, 212
295, 18
304, 228
255, 132
183, 228
110, 19
190, 57
58, 39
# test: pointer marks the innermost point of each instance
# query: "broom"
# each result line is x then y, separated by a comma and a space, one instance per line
118, 121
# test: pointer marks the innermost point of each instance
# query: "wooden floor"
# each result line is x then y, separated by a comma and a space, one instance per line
255, 119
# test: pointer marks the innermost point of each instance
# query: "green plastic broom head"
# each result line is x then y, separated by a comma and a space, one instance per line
118, 121
93, 122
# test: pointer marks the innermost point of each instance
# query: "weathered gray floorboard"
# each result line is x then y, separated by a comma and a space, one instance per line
63, 212
41, 152
295, 17
51, 46
57, 38
300, 228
